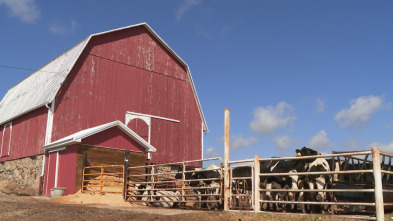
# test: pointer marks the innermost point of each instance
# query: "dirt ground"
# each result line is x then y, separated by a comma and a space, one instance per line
112, 207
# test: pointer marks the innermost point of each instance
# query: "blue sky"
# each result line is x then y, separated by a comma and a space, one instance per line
293, 73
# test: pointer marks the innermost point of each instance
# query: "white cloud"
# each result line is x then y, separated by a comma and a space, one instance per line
267, 120
238, 141
61, 28
388, 148
185, 6
320, 141
211, 152
282, 142
360, 111
351, 144
320, 105
25, 10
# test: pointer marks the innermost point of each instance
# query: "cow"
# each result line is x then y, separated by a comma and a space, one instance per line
199, 178
317, 181
276, 182
242, 185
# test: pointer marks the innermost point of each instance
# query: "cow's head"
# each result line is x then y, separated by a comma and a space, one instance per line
306, 152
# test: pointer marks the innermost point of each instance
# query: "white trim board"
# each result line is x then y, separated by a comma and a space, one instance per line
152, 116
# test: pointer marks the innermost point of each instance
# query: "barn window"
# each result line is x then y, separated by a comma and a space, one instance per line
6, 140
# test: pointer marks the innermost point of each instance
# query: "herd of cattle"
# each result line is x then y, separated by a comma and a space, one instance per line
274, 188
289, 182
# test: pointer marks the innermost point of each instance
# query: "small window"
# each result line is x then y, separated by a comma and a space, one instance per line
6, 140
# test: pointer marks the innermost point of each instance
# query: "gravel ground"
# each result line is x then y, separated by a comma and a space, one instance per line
44, 208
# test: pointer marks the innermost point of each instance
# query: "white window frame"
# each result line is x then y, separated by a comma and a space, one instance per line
2, 139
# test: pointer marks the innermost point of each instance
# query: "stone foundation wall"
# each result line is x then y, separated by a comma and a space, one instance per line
21, 176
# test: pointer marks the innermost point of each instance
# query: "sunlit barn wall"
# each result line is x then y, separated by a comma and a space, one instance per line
128, 70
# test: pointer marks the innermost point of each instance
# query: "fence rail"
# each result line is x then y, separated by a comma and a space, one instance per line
196, 187
360, 181
355, 183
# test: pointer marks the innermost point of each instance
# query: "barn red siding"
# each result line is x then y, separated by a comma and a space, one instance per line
1, 137
5, 144
114, 138
130, 71
28, 134
50, 172
67, 169
140, 127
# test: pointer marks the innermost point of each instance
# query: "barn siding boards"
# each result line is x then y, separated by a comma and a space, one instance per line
50, 172
67, 169
140, 127
129, 70
113, 138
28, 135
1, 139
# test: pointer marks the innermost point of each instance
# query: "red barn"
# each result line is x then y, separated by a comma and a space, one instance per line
119, 90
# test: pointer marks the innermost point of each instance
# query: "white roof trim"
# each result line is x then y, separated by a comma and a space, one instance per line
77, 137
63, 65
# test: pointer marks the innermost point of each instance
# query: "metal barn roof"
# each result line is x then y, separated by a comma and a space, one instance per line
41, 87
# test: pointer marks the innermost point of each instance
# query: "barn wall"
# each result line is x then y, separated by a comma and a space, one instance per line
129, 71
50, 172
28, 135
67, 169
113, 138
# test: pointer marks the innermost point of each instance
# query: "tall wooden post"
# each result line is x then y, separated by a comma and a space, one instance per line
256, 184
226, 161
125, 173
379, 210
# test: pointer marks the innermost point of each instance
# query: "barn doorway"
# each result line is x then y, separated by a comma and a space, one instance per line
97, 157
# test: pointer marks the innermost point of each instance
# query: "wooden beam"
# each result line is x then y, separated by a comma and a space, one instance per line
226, 161
379, 210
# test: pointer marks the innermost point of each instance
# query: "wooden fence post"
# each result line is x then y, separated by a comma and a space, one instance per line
379, 209
125, 173
226, 161
256, 184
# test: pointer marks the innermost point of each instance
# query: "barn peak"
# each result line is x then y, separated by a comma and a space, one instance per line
41, 87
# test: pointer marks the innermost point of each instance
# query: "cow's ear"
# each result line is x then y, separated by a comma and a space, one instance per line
298, 152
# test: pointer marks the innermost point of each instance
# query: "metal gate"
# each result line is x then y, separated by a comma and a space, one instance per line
241, 194
103, 179
179, 183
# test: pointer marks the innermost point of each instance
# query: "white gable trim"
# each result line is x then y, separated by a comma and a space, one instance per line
77, 137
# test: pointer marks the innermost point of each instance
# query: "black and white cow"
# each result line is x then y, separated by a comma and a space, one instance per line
315, 181
209, 178
242, 184
276, 182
